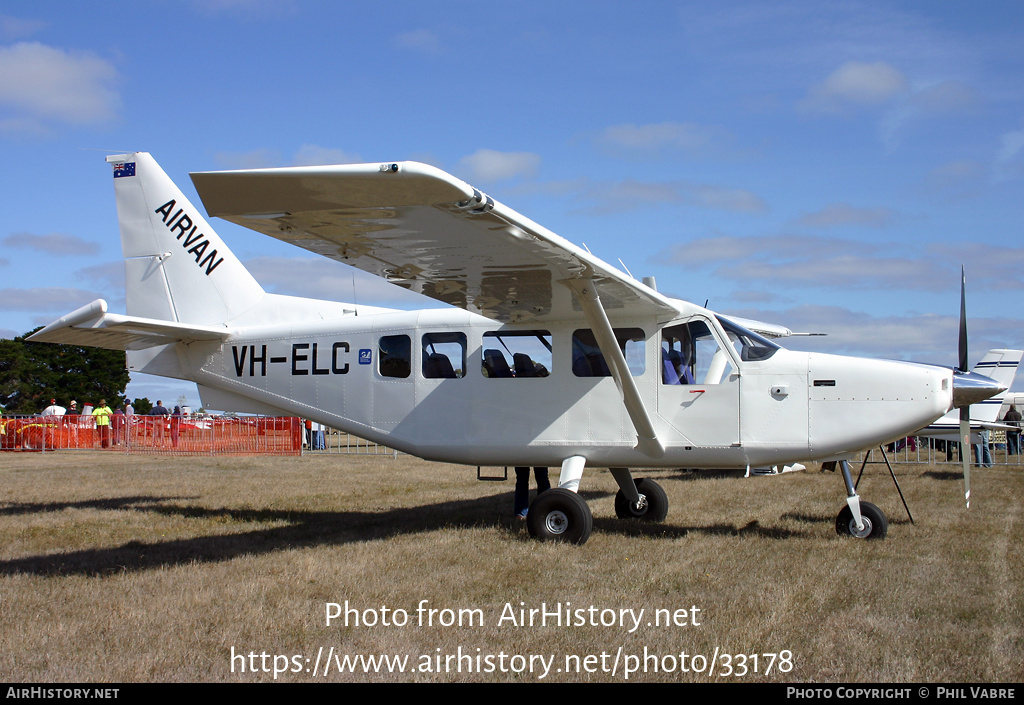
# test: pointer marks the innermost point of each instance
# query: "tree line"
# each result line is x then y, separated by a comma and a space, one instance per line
31, 374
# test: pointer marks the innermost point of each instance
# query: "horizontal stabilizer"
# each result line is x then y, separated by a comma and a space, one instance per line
92, 326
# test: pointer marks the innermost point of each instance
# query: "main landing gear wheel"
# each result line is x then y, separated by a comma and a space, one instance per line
653, 504
875, 524
560, 515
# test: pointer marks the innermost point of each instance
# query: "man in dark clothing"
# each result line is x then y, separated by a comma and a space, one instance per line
1012, 418
160, 411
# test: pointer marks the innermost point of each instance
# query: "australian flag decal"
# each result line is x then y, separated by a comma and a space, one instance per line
124, 169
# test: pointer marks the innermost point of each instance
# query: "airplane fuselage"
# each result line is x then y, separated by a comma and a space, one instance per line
380, 376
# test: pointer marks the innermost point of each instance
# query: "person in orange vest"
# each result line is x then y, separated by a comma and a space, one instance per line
102, 414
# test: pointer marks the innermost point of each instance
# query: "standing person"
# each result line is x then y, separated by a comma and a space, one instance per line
102, 414
160, 411
1012, 419
71, 415
118, 425
129, 419
982, 452
522, 498
175, 426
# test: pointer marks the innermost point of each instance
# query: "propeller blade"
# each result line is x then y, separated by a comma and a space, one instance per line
965, 450
963, 321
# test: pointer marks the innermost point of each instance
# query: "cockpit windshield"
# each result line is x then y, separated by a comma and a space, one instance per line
750, 346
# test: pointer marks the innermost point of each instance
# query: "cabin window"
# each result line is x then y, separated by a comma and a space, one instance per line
519, 353
394, 358
587, 360
691, 354
444, 355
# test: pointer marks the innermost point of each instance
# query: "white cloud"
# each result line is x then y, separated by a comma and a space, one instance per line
734, 249
1010, 145
323, 278
944, 97
39, 84
829, 263
314, 155
54, 243
927, 338
16, 28
253, 159
109, 276
730, 199
422, 40
856, 84
57, 299
842, 214
306, 155
655, 138
629, 195
488, 165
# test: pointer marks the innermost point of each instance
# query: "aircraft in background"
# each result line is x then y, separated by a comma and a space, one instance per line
1000, 365
551, 357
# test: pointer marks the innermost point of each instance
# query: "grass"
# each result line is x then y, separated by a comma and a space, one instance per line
132, 568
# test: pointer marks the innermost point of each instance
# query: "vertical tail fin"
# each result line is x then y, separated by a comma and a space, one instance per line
176, 267
1000, 365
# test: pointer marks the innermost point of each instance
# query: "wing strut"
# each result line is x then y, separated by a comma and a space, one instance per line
647, 439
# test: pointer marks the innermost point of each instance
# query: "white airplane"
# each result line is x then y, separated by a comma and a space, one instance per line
551, 357
1000, 365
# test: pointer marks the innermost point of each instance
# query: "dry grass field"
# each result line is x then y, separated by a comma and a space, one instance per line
128, 568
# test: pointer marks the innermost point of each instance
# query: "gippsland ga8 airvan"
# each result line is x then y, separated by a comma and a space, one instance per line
547, 356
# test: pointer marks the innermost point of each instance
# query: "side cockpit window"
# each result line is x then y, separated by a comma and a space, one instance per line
691, 354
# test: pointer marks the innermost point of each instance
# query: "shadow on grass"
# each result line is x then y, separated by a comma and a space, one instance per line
944, 474
301, 530
639, 528
112, 503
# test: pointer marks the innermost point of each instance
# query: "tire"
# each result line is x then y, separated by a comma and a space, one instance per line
560, 515
653, 503
876, 526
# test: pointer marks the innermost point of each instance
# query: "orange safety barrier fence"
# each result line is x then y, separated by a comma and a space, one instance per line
249, 435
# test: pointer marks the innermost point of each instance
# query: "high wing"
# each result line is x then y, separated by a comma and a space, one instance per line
421, 228
92, 326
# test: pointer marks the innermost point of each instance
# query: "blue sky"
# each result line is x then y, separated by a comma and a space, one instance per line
825, 166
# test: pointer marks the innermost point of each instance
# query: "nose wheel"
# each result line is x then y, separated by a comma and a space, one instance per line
874, 523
